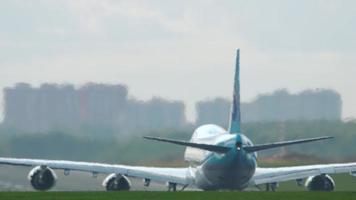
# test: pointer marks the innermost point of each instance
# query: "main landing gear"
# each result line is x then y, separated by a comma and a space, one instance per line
271, 186
172, 186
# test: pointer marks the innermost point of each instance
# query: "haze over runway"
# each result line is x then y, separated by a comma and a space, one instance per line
161, 47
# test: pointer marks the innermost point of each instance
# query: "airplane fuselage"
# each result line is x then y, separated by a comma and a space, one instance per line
231, 170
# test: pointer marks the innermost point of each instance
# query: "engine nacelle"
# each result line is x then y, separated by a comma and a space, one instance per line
117, 182
321, 182
42, 178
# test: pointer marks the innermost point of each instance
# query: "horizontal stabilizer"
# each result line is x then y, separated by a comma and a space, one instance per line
248, 149
208, 147
255, 148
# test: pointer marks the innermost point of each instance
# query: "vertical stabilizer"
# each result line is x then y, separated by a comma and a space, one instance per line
235, 115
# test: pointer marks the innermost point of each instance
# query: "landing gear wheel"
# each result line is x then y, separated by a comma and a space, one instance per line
172, 187
271, 186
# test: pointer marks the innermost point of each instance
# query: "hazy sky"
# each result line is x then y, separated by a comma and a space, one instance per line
182, 50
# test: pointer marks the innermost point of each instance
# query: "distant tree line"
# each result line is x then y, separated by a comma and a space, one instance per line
135, 149
107, 109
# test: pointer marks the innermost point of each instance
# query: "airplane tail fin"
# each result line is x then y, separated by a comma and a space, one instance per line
235, 115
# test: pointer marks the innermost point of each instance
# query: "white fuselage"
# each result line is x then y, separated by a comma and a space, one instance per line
213, 171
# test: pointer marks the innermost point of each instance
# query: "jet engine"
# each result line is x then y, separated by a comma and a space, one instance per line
42, 178
321, 182
117, 182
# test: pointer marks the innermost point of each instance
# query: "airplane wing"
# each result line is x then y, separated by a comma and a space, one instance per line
182, 176
280, 174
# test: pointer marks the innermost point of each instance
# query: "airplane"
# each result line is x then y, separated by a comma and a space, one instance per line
218, 159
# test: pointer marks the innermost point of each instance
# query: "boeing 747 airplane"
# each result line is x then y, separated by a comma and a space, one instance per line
218, 159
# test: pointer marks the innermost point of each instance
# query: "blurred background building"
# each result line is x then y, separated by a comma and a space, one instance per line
53, 106
103, 106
